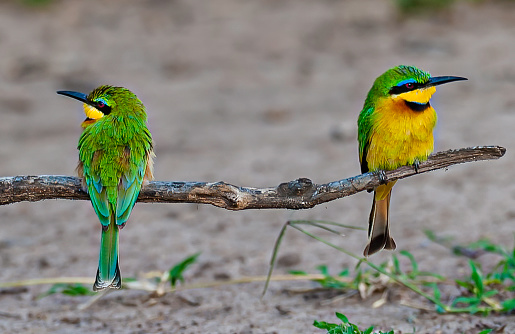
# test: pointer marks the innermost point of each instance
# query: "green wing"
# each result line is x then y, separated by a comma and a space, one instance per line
364, 134
128, 191
97, 191
132, 178
98, 195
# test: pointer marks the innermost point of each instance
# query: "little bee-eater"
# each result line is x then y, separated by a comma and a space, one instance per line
395, 128
115, 158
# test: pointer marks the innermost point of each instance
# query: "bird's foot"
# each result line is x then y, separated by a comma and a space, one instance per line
383, 179
416, 165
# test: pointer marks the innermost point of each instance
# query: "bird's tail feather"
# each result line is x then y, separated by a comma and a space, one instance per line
108, 274
378, 226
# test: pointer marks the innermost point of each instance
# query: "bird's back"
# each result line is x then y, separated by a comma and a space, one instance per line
114, 160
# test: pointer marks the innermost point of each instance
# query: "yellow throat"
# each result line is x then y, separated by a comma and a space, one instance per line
92, 112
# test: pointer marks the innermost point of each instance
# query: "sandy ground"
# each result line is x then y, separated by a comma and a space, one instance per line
251, 93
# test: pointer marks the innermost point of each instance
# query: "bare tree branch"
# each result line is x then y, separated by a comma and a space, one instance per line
299, 194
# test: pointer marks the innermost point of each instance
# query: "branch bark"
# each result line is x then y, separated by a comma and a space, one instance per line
298, 194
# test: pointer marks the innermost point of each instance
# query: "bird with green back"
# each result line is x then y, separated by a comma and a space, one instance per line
395, 128
115, 159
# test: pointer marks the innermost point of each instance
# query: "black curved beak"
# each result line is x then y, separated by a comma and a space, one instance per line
435, 81
74, 95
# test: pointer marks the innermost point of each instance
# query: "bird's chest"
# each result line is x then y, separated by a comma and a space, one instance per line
400, 136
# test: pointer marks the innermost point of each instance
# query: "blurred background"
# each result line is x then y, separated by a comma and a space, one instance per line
253, 93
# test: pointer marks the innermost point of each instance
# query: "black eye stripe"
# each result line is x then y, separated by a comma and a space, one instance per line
403, 89
104, 108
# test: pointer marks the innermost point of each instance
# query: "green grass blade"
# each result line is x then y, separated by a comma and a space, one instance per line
274, 257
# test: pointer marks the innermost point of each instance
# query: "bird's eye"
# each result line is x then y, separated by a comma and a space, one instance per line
409, 85
100, 104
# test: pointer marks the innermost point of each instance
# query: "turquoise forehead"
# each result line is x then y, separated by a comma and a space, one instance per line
403, 82
100, 99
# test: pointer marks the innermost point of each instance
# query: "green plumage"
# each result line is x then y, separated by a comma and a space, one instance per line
115, 157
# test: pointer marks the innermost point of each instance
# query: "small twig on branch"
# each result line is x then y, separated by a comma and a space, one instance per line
299, 194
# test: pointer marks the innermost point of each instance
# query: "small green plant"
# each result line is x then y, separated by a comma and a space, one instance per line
505, 268
475, 285
486, 331
73, 290
484, 293
345, 327
177, 270
481, 293
328, 281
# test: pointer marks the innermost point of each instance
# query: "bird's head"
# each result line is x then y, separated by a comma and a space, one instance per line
107, 100
407, 84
